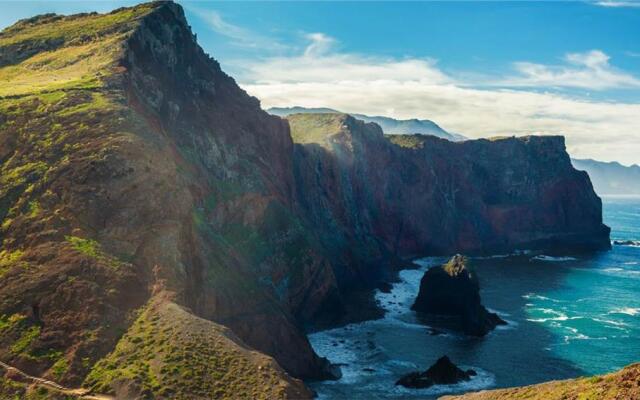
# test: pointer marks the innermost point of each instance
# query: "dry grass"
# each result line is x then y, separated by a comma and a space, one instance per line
621, 385
315, 128
77, 67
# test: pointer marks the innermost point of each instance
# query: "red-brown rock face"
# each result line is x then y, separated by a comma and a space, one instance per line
373, 195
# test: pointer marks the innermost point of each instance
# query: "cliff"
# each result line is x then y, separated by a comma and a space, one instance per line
620, 385
418, 194
139, 183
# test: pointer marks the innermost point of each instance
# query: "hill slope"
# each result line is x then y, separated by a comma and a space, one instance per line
620, 385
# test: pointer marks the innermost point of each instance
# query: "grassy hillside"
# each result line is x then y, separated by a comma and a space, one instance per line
620, 385
170, 353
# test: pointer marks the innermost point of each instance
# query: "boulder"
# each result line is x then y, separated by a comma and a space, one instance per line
453, 290
443, 372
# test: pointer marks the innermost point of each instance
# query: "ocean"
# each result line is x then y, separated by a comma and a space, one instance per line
567, 317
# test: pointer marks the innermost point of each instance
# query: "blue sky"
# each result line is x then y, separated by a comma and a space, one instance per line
476, 68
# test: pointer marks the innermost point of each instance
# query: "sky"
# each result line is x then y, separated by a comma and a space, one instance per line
476, 68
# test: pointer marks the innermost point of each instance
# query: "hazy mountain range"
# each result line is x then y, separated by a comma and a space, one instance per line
611, 177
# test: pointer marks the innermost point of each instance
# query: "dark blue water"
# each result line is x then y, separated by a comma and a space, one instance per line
567, 317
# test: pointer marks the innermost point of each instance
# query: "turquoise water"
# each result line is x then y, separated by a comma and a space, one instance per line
567, 317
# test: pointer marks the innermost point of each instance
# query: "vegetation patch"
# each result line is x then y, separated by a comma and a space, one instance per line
25, 340
170, 353
9, 259
315, 128
407, 141
8, 322
92, 248
59, 368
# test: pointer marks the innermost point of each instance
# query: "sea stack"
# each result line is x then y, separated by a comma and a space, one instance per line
453, 290
443, 372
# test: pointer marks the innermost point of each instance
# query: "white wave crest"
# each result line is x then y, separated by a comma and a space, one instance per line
543, 257
626, 310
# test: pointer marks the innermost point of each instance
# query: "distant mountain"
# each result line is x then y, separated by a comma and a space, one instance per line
611, 177
389, 126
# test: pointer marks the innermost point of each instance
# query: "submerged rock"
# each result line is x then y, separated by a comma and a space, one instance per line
453, 290
443, 372
385, 287
627, 242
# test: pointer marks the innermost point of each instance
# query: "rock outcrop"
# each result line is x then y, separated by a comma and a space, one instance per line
132, 165
442, 372
619, 385
453, 290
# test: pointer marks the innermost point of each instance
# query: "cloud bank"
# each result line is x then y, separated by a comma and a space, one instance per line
418, 88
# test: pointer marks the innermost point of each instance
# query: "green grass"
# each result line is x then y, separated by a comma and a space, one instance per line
171, 353
92, 248
12, 177
407, 141
9, 259
315, 128
87, 247
59, 368
70, 28
9, 322
69, 53
25, 340
34, 208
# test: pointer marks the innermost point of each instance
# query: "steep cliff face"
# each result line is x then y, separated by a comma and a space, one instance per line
500, 194
246, 254
418, 194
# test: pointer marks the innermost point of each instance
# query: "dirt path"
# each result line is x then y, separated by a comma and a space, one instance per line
79, 392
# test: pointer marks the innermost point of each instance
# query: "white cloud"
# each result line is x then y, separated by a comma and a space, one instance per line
318, 64
320, 44
590, 70
417, 88
616, 3
239, 36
